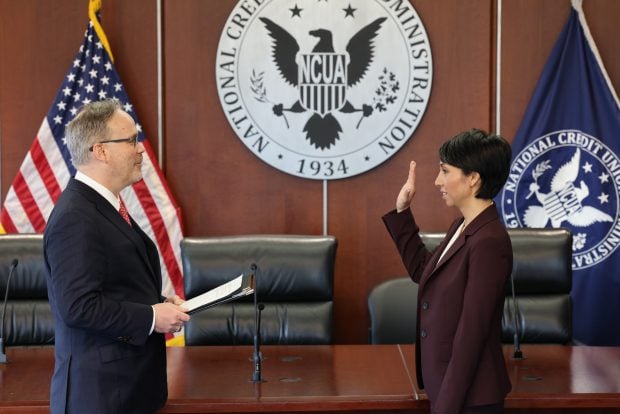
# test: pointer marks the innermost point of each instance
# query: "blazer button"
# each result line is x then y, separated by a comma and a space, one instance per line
425, 305
423, 333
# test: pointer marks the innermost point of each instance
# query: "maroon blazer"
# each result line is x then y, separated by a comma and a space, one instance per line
459, 359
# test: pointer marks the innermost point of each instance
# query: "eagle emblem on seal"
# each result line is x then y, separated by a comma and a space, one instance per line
565, 201
322, 77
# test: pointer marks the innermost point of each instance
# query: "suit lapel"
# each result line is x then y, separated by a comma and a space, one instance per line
108, 211
456, 246
150, 254
487, 215
132, 233
436, 264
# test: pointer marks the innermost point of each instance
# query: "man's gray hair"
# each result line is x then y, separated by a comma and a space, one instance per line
89, 127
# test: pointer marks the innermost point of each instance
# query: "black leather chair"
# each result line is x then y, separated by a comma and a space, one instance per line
28, 318
392, 305
294, 280
542, 276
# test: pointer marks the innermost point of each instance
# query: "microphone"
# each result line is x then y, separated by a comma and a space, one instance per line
258, 357
515, 307
14, 264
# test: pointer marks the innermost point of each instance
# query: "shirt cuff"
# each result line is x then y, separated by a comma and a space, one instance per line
153, 323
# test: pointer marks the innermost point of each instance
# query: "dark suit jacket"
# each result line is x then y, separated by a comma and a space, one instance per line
459, 358
103, 277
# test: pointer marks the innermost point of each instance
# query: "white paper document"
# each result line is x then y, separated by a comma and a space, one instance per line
240, 286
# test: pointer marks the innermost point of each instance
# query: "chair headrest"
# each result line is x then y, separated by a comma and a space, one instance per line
29, 279
541, 257
289, 267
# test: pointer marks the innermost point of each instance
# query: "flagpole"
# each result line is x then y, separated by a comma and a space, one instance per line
160, 98
498, 69
325, 207
1, 192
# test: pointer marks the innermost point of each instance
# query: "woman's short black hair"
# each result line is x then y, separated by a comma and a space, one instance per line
477, 151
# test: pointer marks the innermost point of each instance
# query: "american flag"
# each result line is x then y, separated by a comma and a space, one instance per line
46, 170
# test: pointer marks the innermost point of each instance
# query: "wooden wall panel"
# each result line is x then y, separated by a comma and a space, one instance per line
530, 30
38, 42
131, 28
222, 188
460, 100
603, 17
240, 194
526, 23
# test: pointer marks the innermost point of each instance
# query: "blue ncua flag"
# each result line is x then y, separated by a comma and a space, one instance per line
565, 172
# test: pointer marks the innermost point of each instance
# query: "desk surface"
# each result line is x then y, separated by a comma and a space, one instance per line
336, 378
564, 376
296, 378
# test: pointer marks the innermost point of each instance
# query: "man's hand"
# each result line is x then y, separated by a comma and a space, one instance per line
403, 201
169, 317
175, 300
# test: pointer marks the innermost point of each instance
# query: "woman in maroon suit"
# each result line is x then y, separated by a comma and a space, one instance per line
459, 359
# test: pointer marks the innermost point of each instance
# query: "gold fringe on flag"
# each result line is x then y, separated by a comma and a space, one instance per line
93, 7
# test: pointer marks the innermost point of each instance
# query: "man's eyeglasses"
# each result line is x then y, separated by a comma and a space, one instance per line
131, 140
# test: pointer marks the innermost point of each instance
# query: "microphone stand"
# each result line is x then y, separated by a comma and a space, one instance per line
517, 346
3, 359
257, 357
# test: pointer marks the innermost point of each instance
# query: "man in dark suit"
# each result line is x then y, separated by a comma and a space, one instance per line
104, 278
459, 359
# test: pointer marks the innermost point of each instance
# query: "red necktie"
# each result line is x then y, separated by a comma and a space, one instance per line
124, 213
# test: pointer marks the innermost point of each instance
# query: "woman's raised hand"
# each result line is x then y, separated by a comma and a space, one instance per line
403, 201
